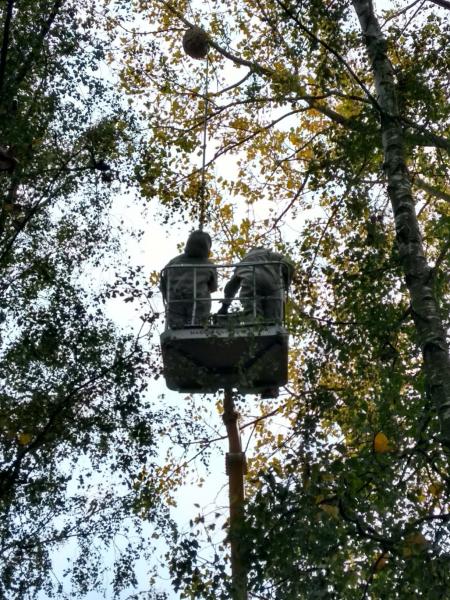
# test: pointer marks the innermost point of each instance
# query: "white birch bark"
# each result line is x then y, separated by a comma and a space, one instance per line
418, 274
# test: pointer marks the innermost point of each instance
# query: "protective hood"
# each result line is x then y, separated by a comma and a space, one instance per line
198, 245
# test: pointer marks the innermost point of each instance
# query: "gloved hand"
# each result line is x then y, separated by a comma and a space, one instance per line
223, 310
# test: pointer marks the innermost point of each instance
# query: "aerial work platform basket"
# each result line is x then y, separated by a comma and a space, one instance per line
243, 350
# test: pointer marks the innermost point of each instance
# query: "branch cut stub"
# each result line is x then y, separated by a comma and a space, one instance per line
196, 43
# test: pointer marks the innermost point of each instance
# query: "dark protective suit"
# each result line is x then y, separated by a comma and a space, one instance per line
182, 284
262, 286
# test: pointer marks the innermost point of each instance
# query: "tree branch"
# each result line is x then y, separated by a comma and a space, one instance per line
426, 138
22, 73
364, 530
8, 476
431, 189
400, 12
441, 257
333, 214
289, 206
332, 51
5, 42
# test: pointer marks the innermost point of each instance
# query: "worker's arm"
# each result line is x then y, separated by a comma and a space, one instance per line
229, 292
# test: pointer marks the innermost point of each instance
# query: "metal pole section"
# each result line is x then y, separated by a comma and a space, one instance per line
235, 468
194, 306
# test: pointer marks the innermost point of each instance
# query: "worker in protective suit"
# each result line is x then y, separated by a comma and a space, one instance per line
187, 287
262, 285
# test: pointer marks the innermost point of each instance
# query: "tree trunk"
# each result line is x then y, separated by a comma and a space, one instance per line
418, 274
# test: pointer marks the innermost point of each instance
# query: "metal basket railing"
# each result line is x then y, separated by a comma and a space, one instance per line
244, 311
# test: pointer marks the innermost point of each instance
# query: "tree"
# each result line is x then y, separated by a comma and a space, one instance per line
75, 426
337, 121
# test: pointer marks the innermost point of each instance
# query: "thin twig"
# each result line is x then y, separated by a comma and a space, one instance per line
400, 12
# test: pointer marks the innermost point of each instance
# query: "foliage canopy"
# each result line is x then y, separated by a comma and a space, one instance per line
75, 428
334, 127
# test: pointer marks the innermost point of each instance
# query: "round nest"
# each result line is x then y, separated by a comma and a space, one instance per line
196, 42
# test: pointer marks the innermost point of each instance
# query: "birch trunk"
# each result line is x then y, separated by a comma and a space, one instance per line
418, 274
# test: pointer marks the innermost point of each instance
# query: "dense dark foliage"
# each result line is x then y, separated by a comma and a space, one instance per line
77, 423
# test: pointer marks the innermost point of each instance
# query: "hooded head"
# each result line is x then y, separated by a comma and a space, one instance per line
198, 245
256, 250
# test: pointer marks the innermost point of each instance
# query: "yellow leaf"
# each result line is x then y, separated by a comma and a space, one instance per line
416, 539
24, 438
294, 138
330, 509
414, 543
381, 443
290, 184
380, 563
239, 123
435, 489
154, 277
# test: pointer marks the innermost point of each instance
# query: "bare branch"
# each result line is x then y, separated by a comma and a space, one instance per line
431, 189
401, 12
428, 138
233, 85
5, 42
290, 205
442, 255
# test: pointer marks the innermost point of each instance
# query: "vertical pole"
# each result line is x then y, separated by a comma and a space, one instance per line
235, 467
194, 305
254, 292
168, 271
205, 135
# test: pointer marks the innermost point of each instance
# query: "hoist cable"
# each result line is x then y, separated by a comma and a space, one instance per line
202, 190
